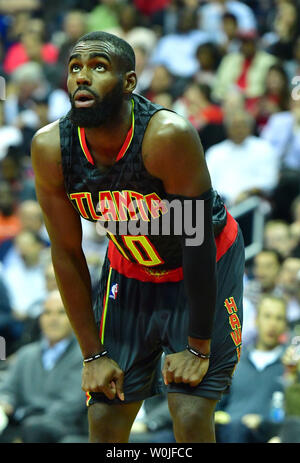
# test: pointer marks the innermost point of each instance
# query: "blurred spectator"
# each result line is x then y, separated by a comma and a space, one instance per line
30, 218
276, 97
295, 226
9, 135
13, 27
249, 331
10, 223
10, 329
74, 26
266, 268
243, 164
295, 209
143, 69
292, 66
165, 20
211, 15
234, 101
31, 329
286, 30
245, 69
196, 105
27, 81
32, 87
282, 131
30, 48
103, 16
50, 279
16, 170
245, 418
130, 30
54, 12
212, 134
178, 51
41, 393
24, 277
30, 90
149, 8
287, 189
14, 6
288, 281
289, 431
277, 236
229, 37
264, 12
209, 57
94, 247
164, 99
162, 81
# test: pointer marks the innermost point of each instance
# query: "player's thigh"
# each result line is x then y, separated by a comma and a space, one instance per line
111, 423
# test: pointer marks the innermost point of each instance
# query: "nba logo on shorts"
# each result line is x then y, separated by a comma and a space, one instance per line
114, 291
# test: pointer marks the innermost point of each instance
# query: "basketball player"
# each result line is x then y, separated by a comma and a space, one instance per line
116, 157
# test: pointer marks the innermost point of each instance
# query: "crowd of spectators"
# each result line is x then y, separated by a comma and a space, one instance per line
232, 68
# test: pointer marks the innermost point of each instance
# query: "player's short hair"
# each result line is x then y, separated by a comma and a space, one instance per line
122, 49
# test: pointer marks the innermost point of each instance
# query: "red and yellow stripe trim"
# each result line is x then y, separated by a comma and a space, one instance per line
125, 146
105, 304
88, 398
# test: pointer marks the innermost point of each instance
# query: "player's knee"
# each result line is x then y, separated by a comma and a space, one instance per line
188, 427
193, 419
105, 426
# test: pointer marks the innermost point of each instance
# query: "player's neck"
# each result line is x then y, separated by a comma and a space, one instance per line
108, 139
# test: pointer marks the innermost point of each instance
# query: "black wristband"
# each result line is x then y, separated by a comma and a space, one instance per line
95, 357
197, 353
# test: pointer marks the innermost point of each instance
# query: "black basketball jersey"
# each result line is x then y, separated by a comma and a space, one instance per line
123, 193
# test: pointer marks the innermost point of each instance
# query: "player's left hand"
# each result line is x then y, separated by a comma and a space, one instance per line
184, 367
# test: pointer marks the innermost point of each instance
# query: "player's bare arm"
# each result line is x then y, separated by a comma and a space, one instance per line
72, 274
172, 152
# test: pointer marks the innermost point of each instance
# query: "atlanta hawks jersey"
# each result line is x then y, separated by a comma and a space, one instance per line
123, 193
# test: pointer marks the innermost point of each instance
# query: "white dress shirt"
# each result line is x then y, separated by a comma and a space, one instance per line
238, 168
284, 136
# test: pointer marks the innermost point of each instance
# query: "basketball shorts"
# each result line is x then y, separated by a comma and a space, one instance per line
140, 321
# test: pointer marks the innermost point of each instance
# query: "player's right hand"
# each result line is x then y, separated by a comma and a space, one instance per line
103, 375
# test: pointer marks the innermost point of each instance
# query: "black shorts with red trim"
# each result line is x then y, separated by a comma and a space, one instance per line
141, 320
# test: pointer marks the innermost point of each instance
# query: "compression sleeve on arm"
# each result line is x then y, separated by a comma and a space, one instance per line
199, 265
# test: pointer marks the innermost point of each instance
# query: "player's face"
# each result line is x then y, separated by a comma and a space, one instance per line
95, 85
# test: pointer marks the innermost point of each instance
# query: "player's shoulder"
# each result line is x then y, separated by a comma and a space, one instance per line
47, 138
165, 121
168, 140
168, 128
46, 155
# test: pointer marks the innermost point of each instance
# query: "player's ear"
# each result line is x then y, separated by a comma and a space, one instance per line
129, 82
